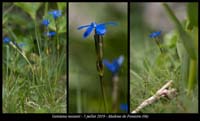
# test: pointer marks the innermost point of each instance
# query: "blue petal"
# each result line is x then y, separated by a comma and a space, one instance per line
51, 34
81, 27
88, 31
120, 60
93, 24
6, 40
45, 22
109, 66
115, 65
101, 29
155, 34
123, 107
55, 13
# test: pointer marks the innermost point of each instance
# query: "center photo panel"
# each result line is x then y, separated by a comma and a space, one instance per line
98, 57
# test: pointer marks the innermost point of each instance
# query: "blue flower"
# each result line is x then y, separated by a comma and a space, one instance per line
6, 40
115, 65
124, 107
51, 34
155, 34
100, 28
45, 22
55, 13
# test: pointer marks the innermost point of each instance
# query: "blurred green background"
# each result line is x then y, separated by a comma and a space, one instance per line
84, 85
150, 70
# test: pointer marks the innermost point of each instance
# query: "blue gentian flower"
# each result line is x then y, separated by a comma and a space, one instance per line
100, 28
51, 34
6, 40
115, 65
124, 107
45, 22
55, 13
155, 34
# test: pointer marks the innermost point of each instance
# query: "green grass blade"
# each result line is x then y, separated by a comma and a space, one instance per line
192, 12
192, 75
184, 58
186, 39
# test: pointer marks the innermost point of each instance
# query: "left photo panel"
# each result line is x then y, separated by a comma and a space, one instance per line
34, 64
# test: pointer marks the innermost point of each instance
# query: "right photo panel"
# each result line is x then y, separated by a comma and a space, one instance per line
164, 57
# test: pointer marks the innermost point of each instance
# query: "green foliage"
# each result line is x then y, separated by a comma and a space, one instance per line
192, 12
34, 75
29, 8
186, 39
150, 69
61, 5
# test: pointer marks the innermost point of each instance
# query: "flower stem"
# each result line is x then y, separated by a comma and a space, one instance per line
47, 40
102, 92
115, 80
38, 43
57, 42
39, 49
99, 63
99, 53
7, 55
157, 42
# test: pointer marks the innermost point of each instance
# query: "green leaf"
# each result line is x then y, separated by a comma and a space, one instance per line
29, 7
61, 5
184, 58
192, 12
187, 41
5, 18
194, 34
192, 75
62, 24
171, 39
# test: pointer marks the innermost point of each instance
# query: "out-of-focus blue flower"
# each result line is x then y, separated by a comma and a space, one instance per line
100, 28
55, 13
45, 22
21, 45
6, 40
155, 34
115, 65
51, 34
123, 107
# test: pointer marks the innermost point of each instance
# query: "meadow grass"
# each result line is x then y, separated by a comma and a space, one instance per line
38, 87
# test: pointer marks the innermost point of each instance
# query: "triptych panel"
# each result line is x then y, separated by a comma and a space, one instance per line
109, 58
